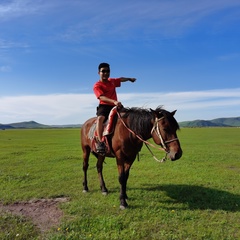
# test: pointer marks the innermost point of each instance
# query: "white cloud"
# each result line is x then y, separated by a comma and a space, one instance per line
229, 57
49, 109
5, 69
168, 18
77, 108
18, 8
4, 44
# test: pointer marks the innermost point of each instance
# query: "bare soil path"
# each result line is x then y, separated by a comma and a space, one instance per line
44, 213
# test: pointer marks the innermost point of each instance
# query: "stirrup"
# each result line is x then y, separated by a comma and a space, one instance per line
101, 147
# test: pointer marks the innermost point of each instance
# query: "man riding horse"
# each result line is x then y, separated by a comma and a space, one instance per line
105, 91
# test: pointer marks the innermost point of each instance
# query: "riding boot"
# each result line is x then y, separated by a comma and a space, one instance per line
101, 147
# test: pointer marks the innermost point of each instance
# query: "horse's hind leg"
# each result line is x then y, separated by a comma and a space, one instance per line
100, 174
86, 153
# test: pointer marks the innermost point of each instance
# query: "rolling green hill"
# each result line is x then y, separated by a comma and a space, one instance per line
34, 125
235, 122
30, 124
218, 122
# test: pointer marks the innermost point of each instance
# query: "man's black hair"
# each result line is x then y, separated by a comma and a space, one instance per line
103, 65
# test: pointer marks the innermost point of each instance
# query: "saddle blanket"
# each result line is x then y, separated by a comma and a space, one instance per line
108, 126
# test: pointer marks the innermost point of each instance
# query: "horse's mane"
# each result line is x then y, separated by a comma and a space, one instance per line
139, 119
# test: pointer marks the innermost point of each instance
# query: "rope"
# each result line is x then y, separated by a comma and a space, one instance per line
158, 160
146, 142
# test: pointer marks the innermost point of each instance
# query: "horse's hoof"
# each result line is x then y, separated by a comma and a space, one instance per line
85, 191
105, 193
122, 207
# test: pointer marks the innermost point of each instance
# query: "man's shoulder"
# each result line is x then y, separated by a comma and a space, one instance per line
97, 83
110, 81
100, 84
105, 82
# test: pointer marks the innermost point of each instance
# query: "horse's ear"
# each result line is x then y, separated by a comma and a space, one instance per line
154, 112
173, 112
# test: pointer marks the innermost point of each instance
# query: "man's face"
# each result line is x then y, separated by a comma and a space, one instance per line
104, 73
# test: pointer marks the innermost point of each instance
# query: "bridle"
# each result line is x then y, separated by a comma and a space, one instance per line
158, 132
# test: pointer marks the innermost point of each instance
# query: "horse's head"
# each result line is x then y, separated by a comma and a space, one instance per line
164, 132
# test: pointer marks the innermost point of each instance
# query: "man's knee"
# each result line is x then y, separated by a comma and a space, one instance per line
100, 119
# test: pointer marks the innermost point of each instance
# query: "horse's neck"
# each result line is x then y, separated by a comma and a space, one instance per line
144, 133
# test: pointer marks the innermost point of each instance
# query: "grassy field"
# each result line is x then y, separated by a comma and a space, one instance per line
196, 197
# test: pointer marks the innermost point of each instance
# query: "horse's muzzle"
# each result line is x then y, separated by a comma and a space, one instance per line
175, 155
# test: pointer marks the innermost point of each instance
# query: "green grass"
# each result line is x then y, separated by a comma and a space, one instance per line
196, 197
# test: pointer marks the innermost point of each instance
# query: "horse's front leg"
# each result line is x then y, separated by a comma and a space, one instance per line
123, 177
100, 174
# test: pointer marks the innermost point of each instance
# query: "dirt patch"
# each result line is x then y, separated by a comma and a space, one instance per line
44, 213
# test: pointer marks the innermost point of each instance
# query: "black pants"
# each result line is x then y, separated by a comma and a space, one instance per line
104, 110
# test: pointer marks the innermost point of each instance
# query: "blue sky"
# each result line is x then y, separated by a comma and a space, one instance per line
185, 55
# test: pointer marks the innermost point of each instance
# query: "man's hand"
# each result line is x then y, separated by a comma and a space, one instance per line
132, 79
118, 104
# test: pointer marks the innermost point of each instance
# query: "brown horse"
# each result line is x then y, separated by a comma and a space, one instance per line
133, 126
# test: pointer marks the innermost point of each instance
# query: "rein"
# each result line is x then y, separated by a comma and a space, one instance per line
155, 128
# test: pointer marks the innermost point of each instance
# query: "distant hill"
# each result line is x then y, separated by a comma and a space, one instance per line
234, 122
4, 126
30, 124
218, 122
35, 125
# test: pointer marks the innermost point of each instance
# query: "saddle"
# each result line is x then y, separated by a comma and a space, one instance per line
108, 129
